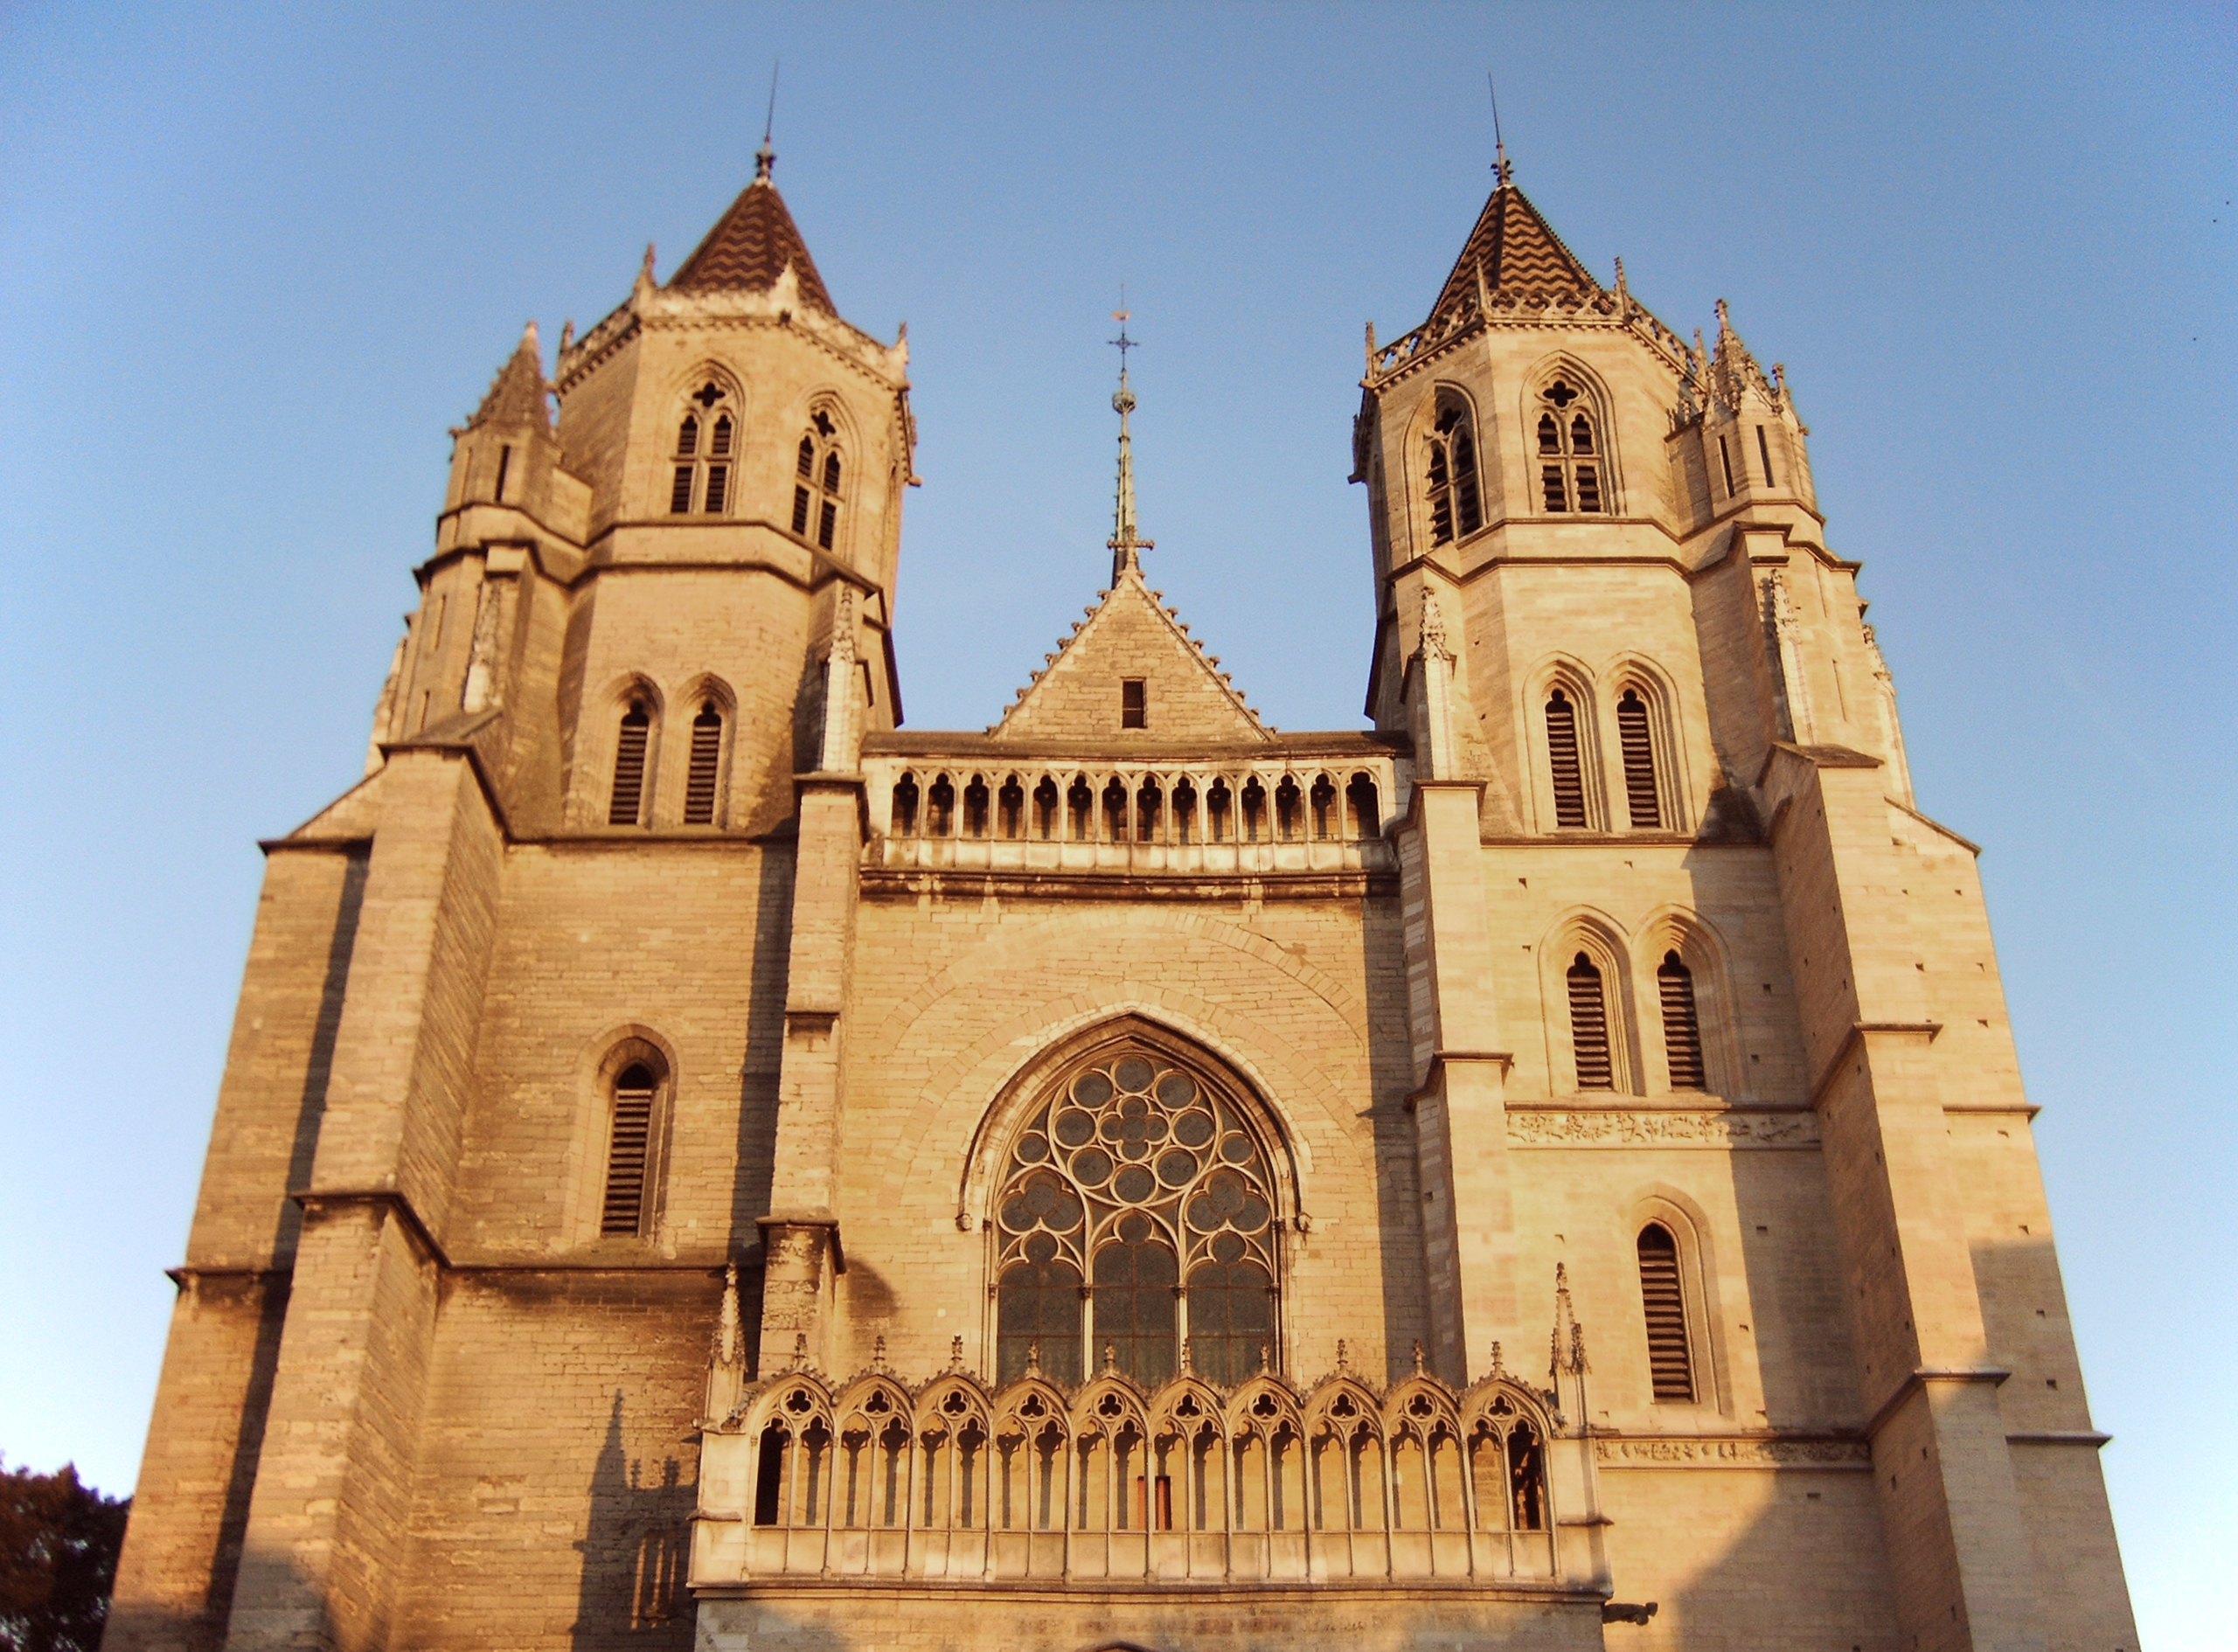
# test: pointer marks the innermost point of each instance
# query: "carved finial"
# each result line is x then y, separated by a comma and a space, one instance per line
726, 1322
1187, 1367
1418, 1356
1034, 1358
1499, 1369
567, 336
1623, 296
1343, 1357
1577, 1347
1432, 630
1111, 1359
1371, 350
1267, 1357
1484, 291
800, 1350
878, 1355
955, 1353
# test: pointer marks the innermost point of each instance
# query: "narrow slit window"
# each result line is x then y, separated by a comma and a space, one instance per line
1589, 1027
505, 465
629, 1151
1562, 761
1763, 452
1682, 1024
1632, 733
1670, 1366
1134, 705
1725, 460
626, 806
706, 761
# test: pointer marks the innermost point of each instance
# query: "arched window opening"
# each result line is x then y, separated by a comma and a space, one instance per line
1589, 1027
1079, 807
770, 1477
702, 472
1114, 811
1010, 804
1569, 468
1149, 802
626, 805
1255, 810
975, 807
1526, 1473
1140, 1174
815, 486
1360, 807
904, 805
1323, 803
1185, 811
1670, 1361
629, 1149
1682, 1025
1639, 746
940, 808
1218, 811
1456, 502
1562, 761
1287, 817
1045, 809
706, 763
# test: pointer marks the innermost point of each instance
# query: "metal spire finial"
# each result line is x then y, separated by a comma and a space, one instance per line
1125, 542
1502, 169
765, 158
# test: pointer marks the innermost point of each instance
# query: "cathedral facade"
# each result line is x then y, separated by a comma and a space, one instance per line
702, 1164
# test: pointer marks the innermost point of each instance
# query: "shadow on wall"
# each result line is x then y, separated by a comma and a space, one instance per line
1398, 1182
760, 1063
635, 1552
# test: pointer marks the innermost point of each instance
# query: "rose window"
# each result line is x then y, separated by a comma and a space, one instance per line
1135, 1177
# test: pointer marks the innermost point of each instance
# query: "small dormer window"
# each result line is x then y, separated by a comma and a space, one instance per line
1456, 499
817, 471
1569, 452
700, 479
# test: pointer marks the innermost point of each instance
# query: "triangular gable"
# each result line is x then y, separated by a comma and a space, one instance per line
1131, 634
1517, 251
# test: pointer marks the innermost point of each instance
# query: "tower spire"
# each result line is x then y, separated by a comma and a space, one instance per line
765, 158
1503, 169
1124, 541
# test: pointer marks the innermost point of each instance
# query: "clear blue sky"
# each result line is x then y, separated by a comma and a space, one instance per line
252, 262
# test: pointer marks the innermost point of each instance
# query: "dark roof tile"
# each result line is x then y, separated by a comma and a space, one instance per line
749, 249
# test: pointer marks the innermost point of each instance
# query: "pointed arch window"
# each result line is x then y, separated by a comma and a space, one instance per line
1670, 1366
1589, 1025
1636, 737
629, 1150
1456, 496
1570, 457
626, 803
706, 436
1682, 1024
1141, 1179
1564, 767
817, 470
706, 767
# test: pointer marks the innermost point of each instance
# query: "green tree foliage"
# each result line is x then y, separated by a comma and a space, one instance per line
58, 1540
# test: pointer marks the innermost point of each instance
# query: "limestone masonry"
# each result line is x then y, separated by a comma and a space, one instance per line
700, 1165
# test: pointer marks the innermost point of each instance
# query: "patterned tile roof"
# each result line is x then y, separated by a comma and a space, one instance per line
1517, 252
749, 249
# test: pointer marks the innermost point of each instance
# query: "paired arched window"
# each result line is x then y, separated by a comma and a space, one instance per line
626, 803
705, 770
629, 1150
706, 441
1455, 499
1570, 456
1682, 1024
817, 473
1564, 764
1137, 1209
1588, 998
1670, 1359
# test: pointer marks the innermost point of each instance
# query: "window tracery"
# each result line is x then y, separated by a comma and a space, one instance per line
815, 486
1456, 499
1570, 458
705, 438
1143, 1178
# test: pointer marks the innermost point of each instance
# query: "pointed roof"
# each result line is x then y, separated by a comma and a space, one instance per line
1517, 251
1131, 634
517, 395
749, 249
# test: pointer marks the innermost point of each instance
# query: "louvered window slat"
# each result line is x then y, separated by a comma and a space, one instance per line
1561, 753
1639, 761
628, 801
706, 758
1589, 1027
1588, 487
1557, 495
679, 493
1682, 1027
1669, 1361
629, 1153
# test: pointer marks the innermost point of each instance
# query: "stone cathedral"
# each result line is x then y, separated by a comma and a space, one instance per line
702, 1163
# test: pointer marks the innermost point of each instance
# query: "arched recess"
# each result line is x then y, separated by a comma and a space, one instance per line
600, 1065
1657, 700
1591, 396
824, 473
605, 737
1702, 951
699, 785
1451, 484
1551, 765
1595, 938
701, 444
1133, 1166
1689, 1225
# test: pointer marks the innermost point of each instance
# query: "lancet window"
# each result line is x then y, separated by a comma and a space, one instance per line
629, 1151
1564, 767
706, 768
1589, 1025
1137, 1214
1455, 499
1682, 1024
1570, 456
707, 439
1635, 736
816, 473
626, 803
1670, 1366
